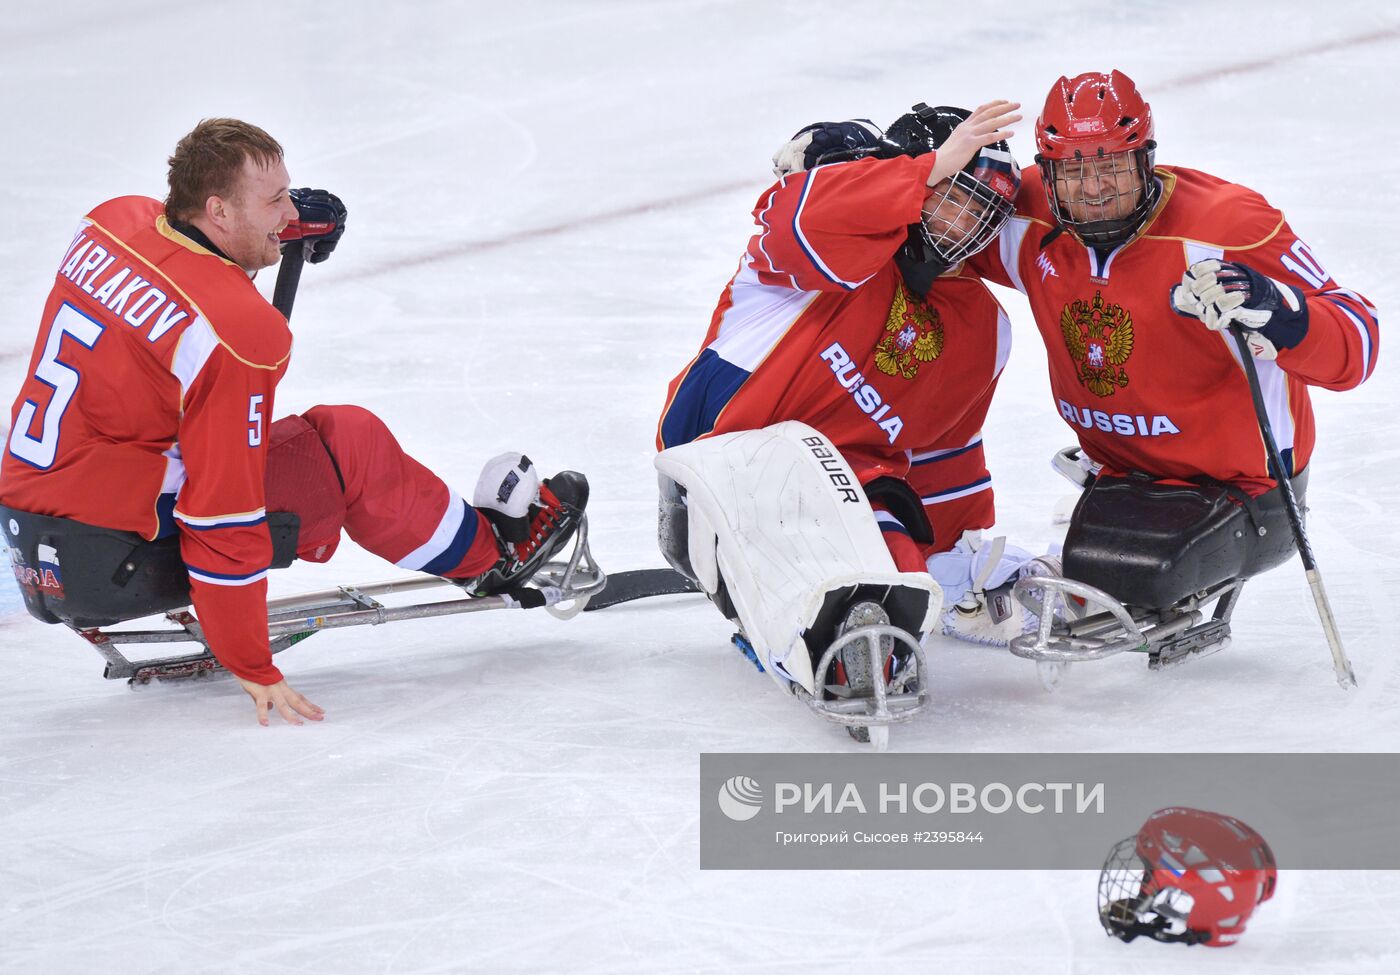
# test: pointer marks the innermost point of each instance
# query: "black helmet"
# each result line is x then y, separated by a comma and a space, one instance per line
986, 186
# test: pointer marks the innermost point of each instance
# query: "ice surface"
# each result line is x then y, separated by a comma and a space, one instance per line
545, 201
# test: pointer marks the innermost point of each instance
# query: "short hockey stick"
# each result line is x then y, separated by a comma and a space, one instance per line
623, 587
1340, 664
284, 294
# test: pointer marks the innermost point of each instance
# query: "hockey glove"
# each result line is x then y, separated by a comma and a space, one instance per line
1222, 293
827, 142
319, 224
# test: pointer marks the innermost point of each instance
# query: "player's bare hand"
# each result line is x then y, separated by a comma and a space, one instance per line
989, 123
291, 705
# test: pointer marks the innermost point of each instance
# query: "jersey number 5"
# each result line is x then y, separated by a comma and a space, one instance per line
63, 378
255, 421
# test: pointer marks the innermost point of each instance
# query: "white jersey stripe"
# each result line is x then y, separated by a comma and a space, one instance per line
174, 477
220, 581
807, 247
1273, 383
197, 344
1003, 341
1009, 242
1365, 337
1201, 252
767, 229
954, 495
935, 454
441, 538
757, 317
883, 518
223, 521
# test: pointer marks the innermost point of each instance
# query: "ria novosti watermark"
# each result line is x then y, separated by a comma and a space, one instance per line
741, 798
860, 811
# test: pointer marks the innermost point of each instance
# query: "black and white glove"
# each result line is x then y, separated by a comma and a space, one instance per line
1225, 293
319, 225
826, 142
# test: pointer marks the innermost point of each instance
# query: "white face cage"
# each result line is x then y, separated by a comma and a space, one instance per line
1131, 902
1104, 200
1121, 887
963, 216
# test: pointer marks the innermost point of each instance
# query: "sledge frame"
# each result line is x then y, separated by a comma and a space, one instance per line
562, 588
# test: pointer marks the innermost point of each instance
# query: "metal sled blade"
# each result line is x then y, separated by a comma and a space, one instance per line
884, 703
1097, 625
562, 587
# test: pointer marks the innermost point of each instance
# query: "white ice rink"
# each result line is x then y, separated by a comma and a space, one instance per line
545, 201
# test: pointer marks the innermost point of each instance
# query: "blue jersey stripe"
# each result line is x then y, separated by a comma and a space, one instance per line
165, 515
961, 487
707, 388
224, 524
449, 558
946, 456
229, 577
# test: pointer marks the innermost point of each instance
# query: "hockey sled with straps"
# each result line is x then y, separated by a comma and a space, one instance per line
38, 545
1143, 563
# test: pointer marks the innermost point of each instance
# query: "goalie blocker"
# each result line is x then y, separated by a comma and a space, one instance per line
774, 527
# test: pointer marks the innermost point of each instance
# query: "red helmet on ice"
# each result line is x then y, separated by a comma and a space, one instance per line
1189, 876
1095, 152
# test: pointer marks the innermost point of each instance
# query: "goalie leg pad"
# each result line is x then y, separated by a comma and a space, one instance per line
778, 519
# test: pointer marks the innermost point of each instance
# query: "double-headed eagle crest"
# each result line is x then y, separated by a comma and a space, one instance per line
1100, 339
915, 336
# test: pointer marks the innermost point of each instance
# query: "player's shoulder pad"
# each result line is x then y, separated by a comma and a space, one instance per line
247, 326
1032, 202
124, 216
1209, 210
245, 323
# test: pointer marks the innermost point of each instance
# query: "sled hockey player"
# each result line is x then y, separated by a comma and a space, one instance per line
1135, 273
838, 399
143, 469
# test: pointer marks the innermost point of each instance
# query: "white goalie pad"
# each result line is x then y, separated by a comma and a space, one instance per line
780, 516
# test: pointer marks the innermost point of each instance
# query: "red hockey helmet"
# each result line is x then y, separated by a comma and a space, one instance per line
1095, 152
1189, 876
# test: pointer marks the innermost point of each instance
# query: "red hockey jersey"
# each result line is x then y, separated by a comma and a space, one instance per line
146, 409
818, 325
1147, 389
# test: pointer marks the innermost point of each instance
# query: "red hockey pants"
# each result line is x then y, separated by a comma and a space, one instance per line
339, 467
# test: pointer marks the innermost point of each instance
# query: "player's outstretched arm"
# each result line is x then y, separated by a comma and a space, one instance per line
280, 695
989, 123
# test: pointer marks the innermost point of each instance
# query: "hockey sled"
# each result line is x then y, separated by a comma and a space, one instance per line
1079, 622
563, 588
1144, 561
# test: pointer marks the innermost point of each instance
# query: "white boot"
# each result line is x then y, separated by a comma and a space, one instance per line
987, 613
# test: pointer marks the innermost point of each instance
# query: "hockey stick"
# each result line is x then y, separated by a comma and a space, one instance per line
1340, 664
284, 294
623, 587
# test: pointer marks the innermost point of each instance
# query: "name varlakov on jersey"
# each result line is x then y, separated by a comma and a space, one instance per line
866, 396
125, 294
1124, 424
